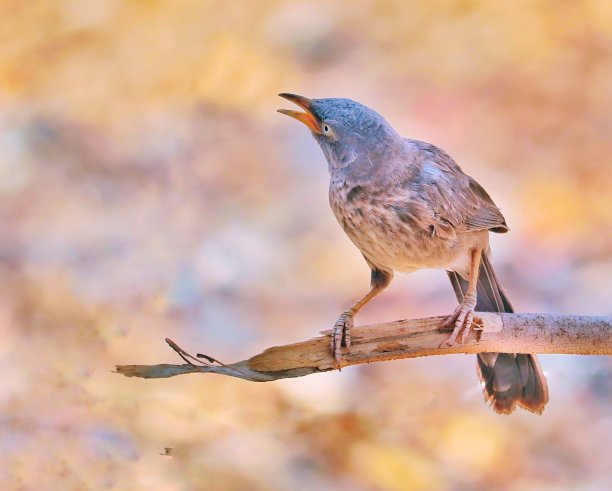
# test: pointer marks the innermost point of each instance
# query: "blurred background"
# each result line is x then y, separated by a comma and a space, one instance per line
148, 189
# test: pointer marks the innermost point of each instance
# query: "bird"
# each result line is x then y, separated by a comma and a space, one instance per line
407, 205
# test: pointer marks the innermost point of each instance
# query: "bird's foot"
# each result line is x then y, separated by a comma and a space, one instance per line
341, 336
462, 318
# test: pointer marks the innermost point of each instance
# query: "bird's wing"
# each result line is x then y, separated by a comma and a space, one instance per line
487, 216
452, 196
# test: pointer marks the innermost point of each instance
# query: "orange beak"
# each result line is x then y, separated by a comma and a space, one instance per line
307, 117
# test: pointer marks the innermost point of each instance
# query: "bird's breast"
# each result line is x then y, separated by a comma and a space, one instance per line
391, 228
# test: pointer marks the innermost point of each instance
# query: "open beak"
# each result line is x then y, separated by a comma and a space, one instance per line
307, 117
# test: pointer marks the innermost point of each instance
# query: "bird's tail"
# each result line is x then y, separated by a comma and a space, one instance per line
508, 379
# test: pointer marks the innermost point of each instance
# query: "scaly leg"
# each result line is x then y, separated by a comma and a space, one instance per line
341, 333
463, 316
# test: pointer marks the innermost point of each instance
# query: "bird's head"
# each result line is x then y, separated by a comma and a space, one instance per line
350, 134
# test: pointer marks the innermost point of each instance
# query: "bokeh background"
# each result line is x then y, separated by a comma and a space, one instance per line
148, 189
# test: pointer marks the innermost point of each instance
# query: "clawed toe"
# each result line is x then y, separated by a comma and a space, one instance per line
463, 319
341, 336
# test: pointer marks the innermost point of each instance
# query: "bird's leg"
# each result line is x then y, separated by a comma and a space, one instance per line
463, 316
341, 333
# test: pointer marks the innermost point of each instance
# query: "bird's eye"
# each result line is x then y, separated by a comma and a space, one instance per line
326, 129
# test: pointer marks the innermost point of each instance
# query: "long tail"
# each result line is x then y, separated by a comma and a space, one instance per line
508, 379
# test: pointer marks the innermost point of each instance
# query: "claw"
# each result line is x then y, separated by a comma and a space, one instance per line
463, 318
469, 320
451, 318
341, 336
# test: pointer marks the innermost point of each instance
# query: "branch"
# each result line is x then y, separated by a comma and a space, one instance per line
513, 333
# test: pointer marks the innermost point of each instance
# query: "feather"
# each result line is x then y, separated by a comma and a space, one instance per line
508, 379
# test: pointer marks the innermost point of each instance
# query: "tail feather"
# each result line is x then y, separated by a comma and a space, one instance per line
508, 379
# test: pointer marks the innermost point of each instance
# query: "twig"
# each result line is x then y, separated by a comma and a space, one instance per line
513, 333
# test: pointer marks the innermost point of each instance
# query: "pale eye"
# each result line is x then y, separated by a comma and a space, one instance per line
326, 129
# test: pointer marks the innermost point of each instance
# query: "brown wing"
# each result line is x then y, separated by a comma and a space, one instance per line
487, 214
453, 196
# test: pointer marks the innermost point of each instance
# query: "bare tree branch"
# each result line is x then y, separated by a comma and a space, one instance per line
510, 333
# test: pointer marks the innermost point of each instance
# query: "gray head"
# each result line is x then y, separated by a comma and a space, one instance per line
353, 137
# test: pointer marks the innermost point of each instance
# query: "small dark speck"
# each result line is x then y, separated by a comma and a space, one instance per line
353, 193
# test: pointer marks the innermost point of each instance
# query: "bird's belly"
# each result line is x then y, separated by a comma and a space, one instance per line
396, 246
409, 252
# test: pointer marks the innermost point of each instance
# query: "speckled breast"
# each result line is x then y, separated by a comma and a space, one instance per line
391, 230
